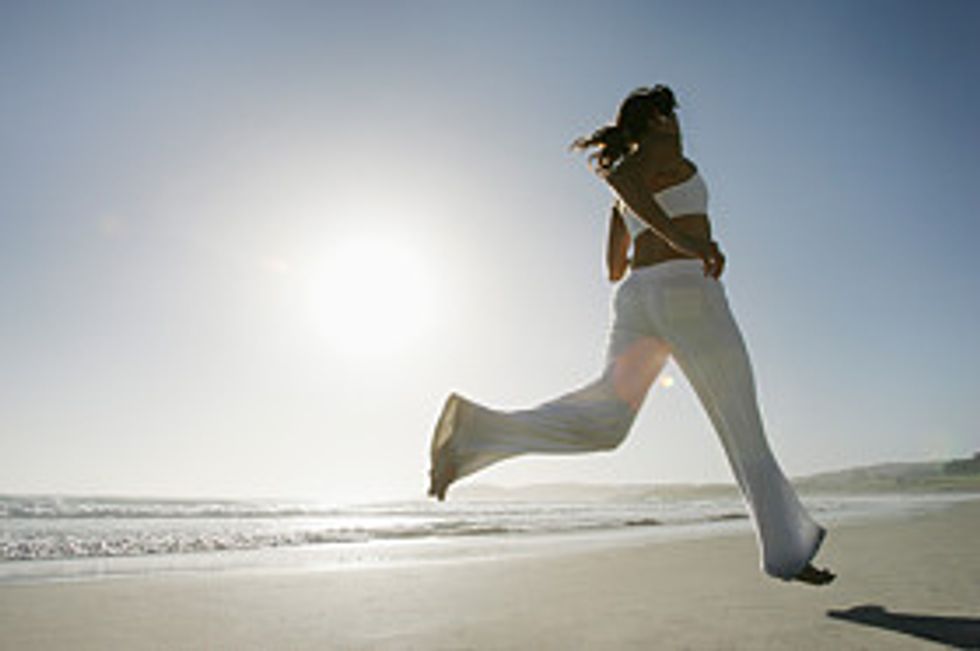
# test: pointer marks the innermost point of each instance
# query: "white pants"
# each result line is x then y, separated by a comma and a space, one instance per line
667, 309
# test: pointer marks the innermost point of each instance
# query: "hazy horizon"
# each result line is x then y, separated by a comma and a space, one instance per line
476, 485
247, 248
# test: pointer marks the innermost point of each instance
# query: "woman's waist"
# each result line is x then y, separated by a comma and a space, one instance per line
666, 269
650, 249
642, 261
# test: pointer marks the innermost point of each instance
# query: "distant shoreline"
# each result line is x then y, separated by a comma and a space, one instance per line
942, 477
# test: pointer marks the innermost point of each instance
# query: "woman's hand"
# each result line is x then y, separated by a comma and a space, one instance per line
713, 258
706, 250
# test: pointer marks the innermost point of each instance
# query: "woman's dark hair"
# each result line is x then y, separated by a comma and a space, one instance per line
617, 140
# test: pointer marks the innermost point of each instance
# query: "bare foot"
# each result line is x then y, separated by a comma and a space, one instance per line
441, 476
813, 576
443, 472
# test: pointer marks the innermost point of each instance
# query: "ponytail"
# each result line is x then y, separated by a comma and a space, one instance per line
616, 141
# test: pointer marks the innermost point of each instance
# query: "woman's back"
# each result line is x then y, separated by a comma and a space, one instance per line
659, 161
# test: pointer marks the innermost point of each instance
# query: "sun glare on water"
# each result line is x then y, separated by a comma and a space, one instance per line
375, 294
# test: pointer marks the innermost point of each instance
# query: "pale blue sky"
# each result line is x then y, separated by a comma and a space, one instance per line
180, 182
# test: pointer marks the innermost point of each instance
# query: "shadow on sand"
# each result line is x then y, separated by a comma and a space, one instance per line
961, 632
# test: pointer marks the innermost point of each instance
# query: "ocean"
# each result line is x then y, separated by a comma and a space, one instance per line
64, 538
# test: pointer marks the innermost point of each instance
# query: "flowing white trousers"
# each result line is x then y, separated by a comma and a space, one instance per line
666, 309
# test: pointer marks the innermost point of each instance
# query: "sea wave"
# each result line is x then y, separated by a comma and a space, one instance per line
55, 507
39, 528
50, 527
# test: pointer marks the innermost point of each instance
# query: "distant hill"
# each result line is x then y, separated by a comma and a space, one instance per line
963, 466
952, 475
955, 475
588, 492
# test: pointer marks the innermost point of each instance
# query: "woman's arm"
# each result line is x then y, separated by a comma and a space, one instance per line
617, 246
627, 183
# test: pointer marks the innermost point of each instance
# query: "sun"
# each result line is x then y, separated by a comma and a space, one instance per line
374, 294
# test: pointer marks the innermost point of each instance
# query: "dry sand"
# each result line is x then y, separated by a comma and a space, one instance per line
908, 580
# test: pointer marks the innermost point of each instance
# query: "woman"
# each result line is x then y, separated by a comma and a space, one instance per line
672, 303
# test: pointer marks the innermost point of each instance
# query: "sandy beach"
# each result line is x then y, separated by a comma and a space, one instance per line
907, 582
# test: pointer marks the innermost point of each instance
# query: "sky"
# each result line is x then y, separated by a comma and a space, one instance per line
247, 248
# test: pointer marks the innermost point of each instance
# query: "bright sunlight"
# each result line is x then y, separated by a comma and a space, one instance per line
375, 294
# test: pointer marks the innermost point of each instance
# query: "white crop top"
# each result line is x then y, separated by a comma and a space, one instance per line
687, 198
